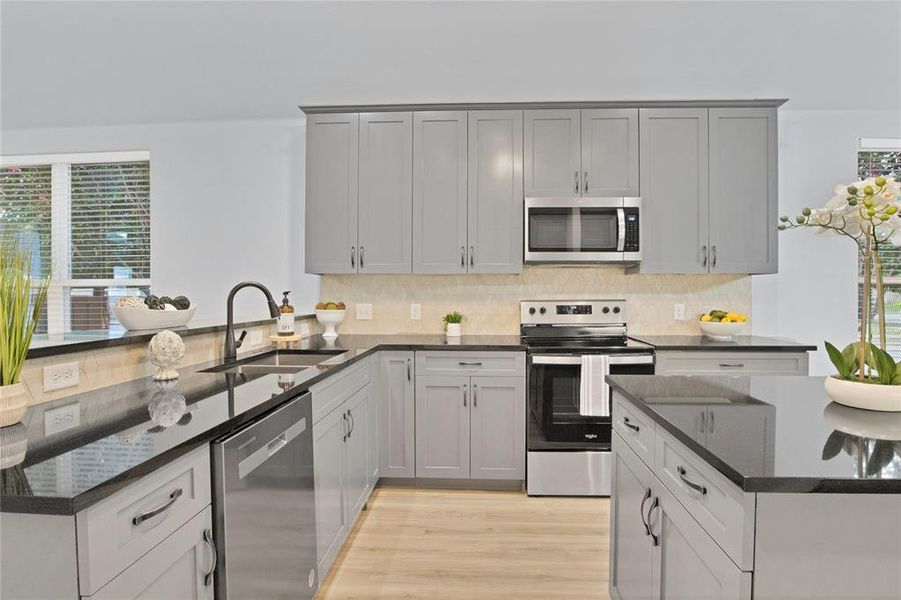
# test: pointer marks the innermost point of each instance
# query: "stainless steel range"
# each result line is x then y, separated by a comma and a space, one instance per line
573, 346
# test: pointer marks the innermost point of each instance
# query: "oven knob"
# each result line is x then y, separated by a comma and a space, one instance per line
532, 311
606, 310
542, 310
616, 309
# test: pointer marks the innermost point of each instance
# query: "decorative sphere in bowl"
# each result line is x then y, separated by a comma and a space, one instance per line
143, 318
330, 319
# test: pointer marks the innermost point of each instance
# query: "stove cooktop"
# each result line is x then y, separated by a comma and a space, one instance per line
585, 345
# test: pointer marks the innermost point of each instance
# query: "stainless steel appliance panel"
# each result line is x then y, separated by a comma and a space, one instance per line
569, 473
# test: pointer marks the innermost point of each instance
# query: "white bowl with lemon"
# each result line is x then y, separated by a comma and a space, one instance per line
722, 325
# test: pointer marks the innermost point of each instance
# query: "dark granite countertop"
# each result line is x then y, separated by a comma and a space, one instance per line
774, 434
131, 429
741, 343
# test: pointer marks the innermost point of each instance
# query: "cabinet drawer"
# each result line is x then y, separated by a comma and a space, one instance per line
451, 363
732, 363
337, 388
723, 510
635, 428
180, 567
116, 532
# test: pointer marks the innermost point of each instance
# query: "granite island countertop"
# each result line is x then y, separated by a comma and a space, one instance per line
774, 434
130, 429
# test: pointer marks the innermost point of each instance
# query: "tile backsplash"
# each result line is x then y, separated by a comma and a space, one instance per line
490, 302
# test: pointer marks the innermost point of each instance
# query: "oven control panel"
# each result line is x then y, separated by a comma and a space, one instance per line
563, 312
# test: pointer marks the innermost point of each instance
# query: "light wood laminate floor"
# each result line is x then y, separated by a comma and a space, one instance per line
437, 544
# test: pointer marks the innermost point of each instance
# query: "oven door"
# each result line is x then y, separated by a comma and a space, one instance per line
574, 230
557, 397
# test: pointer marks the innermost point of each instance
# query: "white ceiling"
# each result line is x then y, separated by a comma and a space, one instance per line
93, 63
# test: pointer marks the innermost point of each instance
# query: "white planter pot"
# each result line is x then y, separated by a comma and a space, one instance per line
454, 330
13, 403
868, 396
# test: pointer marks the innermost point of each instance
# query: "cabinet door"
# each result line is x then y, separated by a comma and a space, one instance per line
385, 235
396, 413
688, 564
495, 191
442, 427
553, 153
439, 192
358, 446
176, 569
331, 193
329, 436
498, 426
610, 152
743, 190
674, 188
631, 546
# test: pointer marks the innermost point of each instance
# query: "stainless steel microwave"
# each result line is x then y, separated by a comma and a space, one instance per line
582, 230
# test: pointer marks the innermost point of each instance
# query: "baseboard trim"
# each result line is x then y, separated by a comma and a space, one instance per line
452, 484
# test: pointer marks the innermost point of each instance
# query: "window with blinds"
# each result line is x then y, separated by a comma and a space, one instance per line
86, 220
883, 158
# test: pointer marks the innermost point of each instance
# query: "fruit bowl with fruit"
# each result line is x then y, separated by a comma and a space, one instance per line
330, 315
722, 324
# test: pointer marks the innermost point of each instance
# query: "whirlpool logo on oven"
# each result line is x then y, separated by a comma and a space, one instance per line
590, 436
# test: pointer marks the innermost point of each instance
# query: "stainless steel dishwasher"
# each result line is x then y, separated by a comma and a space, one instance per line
265, 528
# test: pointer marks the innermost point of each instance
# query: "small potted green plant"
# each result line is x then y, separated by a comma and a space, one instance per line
452, 323
21, 302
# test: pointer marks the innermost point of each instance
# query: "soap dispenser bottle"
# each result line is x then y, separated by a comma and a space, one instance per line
286, 317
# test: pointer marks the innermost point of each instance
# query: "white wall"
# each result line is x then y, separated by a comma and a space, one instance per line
226, 204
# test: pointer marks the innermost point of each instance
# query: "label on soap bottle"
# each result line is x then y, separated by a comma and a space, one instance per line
286, 324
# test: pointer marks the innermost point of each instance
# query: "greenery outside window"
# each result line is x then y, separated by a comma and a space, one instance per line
86, 219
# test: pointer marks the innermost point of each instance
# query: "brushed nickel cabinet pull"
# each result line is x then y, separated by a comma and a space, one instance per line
361, 256
208, 538
695, 486
464, 394
472, 256
647, 527
629, 424
713, 256
409, 369
704, 252
655, 539
475, 395
576, 186
585, 182
175, 495
353, 257
463, 256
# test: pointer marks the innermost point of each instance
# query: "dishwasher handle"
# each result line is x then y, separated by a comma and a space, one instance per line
261, 455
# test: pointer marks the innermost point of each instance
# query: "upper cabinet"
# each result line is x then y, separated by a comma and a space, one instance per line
574, 153
708, 179
331, 193
495, 205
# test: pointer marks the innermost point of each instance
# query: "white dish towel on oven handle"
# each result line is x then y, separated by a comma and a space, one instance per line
594, 393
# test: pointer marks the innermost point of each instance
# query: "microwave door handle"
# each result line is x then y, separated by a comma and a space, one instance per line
621, 228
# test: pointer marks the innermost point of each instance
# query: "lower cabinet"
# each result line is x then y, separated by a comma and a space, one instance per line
658, 550
358, 449
470, 427
397, 426
179, 568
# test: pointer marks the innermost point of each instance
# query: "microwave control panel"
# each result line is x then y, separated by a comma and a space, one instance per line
632, 230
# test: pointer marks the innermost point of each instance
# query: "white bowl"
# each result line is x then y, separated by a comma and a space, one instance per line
331, 319
141, 318
721, 331
868, 396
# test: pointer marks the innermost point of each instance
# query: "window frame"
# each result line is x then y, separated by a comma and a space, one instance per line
58, 308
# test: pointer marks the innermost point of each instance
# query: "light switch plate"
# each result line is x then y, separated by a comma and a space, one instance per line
416, 312
679, 312
364, 312
63, 375
62, 418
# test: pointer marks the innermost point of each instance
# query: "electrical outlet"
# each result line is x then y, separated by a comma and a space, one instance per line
416, 312
364, 312
62, 418
679, 312
63, 375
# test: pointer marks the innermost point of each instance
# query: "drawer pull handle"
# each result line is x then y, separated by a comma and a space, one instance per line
655, 539
647, 527
628, 424
409, 369
695, 486
732, 365
208, 538
175, 495
464, 394
469, 364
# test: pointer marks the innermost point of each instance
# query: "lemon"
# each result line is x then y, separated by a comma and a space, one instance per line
705, 318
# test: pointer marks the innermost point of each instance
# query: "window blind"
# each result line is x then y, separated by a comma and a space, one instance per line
26, 194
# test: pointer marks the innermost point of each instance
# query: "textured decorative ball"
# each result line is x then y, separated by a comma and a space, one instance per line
132, 302
165, 350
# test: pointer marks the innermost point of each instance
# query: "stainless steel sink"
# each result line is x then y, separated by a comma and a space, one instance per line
276, 362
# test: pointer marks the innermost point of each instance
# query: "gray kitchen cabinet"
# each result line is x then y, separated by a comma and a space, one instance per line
385, 226
553, 153
495, 196
497, 430
439, 192
397, 422
375, 410
330, 475
331, 193
442, 427
176, 569
631, 546
678, 362
357, 448
674, 187
610, 152
743, 190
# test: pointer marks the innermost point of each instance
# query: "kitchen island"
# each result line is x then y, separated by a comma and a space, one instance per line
751, 487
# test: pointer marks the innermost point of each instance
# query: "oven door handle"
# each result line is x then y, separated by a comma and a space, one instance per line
627, 359
621, 228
